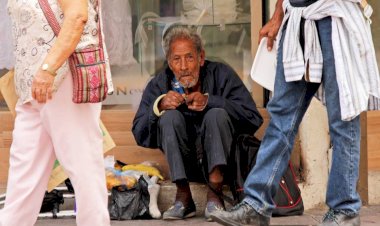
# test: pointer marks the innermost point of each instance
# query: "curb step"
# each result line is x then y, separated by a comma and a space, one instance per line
60, 214
165, 199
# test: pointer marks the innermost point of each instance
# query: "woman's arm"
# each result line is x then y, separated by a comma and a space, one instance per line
271, 28
75, 17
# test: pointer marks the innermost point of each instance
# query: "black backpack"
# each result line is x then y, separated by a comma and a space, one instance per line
288, 198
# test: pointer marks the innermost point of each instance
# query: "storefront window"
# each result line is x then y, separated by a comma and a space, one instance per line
376, 27
134, 29
133, 33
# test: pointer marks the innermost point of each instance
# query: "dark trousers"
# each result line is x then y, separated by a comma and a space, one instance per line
181, 137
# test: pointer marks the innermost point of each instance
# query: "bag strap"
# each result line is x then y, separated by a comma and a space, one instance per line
226, 198
199, 151
53, 22
48, 12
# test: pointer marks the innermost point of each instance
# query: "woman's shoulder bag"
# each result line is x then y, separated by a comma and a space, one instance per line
87, 66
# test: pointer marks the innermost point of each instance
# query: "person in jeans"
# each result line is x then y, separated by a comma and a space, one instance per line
192, 109
320, 42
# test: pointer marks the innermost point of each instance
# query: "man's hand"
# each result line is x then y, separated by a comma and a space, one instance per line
172, 100
271, 28
42, 87
196, 101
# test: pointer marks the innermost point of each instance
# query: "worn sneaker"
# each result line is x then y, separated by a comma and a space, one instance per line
241, 214
212, 207
337, 218
178, 211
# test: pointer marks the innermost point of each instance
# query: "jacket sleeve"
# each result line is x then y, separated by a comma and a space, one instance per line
144, 127
231, 94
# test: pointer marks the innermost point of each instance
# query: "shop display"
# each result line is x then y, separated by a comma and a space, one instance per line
6, 47
117, 24
225, 27
209, 11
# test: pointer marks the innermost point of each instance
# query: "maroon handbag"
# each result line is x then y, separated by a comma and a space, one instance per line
87, 66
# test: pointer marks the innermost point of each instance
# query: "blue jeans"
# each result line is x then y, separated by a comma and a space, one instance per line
286, 109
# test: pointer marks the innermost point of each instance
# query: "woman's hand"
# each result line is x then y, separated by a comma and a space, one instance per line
271, 28
42, 87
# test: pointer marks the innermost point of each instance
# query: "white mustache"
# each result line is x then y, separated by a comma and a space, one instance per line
188, 82
185, 74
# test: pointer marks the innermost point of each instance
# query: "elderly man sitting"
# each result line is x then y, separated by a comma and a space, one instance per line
192, 110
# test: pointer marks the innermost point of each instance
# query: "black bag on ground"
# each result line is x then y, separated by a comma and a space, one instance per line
288, 198
51, 202
241, 161
127, 204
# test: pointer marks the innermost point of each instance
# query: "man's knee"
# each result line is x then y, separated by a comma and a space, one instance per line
171, 118
216, 115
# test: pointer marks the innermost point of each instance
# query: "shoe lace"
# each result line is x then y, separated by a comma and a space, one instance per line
330, 216
237, 206
220, 208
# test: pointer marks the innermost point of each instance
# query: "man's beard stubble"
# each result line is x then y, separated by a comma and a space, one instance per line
188, 84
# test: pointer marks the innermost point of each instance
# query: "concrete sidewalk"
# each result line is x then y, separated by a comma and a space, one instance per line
370, 216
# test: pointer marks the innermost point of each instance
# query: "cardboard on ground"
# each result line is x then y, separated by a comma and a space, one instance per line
58, 175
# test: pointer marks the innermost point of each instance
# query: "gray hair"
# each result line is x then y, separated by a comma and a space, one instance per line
181, 32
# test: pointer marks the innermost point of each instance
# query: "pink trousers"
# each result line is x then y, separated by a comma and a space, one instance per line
59, 130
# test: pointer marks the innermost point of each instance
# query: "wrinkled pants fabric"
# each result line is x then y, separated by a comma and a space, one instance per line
59, 130
179, 140
286, 110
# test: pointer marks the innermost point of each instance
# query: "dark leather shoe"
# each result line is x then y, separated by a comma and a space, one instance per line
241, 214
178, 211
337, 218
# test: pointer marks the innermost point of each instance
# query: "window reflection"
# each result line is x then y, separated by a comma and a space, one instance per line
134, 29
376, 27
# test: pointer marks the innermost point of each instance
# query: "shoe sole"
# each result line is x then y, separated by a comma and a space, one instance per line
225, 221
209, 219
192, 214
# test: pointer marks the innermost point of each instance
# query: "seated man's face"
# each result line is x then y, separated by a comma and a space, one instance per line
185, 62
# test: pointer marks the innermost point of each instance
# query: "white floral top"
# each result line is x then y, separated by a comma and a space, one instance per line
33, 38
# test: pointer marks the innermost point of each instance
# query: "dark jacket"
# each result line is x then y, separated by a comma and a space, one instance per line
225, 89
